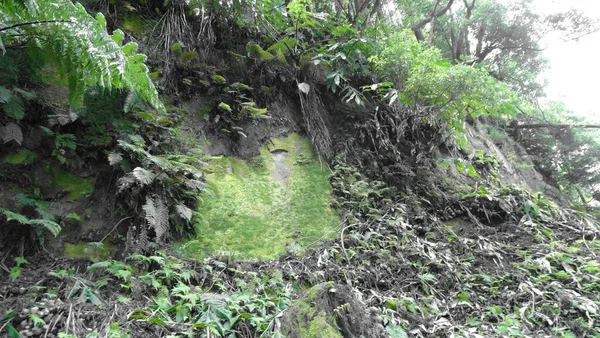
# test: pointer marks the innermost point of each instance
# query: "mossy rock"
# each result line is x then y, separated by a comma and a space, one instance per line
331, 311
76, 187
261, 207
23, 156
88, 250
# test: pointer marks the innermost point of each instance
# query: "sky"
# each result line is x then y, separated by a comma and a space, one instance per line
575, 65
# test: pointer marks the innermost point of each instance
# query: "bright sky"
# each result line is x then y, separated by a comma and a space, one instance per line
574, 66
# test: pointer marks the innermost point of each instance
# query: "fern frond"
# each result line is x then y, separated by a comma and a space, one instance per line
49, 225
5, 95
144, 176
11, 132
114, 158
79, 45
161, 227
135, 148
13, 216
149, 210
162, 162
183, 211
196, 185
157, 216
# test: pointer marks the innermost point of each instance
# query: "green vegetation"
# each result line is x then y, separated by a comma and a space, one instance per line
277, 200
76, 187
92, 251
24, 156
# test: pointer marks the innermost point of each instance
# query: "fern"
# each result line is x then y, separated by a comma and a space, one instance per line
184, 212
47, 224
79, 45
11, 132
145, 177
157, 216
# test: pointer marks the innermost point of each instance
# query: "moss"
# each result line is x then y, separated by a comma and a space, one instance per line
134, 24
255, 212
76, 187
88, 250
311, 322
24, 156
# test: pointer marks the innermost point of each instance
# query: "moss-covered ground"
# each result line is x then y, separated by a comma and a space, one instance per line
76, 187
276, 201
23, 156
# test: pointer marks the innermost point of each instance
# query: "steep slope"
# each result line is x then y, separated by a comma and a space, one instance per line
434, 238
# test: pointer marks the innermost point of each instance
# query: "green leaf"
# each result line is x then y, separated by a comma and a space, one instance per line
5, 95
396, 331
73, 215
11, 216
471, 171
20, 260
89, 295
129, 49
37, 321
15, 273
14, 108
118, 37
99, 265
224, 106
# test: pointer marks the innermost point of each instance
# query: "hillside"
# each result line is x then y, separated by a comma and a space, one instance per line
293, 169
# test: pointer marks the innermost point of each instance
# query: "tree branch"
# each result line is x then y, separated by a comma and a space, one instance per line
417, 28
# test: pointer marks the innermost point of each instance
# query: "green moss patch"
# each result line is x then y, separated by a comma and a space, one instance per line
89, 250
257, 208
24, 156
76, 187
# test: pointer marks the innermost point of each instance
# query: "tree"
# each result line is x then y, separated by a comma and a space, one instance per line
565, 149
502, 36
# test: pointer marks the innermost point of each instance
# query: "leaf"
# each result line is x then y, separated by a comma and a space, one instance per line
49, 225
37, 321
396, 331
224, 106
184, 212
11, 132
25, 94
99, 265
89, 295
129, 49
471, 171
144, 176
161, 226
5, 95
114, 158
15, 108
11, 216
20, 260
15, 273
304, 87
73, 215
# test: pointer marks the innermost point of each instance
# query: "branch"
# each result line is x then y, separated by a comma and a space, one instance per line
32, 23
417, 28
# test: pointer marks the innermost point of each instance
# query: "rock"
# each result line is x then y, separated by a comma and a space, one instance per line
330, 311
